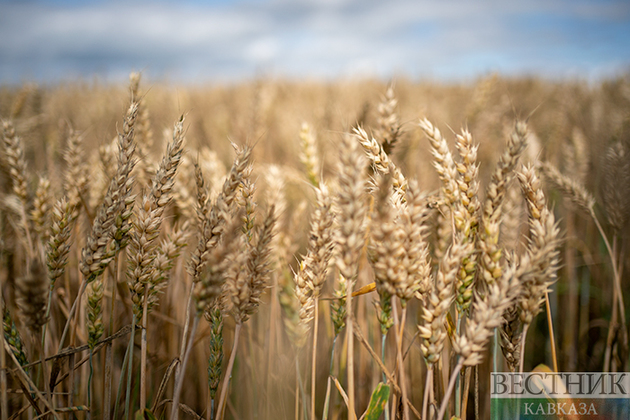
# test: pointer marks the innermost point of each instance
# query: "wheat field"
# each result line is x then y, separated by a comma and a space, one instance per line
285, 250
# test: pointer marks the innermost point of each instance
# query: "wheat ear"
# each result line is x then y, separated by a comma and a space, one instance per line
443, 161
14, 152
146, 227
379, 158
350, 236
313, 270
76, 176
309, 154
389, 128
491, 253
585, 200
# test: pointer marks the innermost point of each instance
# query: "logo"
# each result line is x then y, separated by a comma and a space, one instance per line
576, 395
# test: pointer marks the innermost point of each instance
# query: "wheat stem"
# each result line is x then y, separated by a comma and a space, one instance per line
554, 356
130, 366
428, 384
523, 340
398, 330
449, 390
109, 354
330, 372
66, 328
24, 378
297, 392
228, 373
383, 377
143, 353
180, 378
350, 345
617, 279
314, 363
187, 316
4, 407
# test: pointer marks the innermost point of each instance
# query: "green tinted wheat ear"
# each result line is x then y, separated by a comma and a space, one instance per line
215, 360
466, 215
32, 296
487, 315
468, 184
248, 203
338, 305
95, 312
12, 337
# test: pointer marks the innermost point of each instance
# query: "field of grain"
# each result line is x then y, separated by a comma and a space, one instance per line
285, 250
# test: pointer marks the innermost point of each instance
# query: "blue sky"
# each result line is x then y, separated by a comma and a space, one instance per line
220, 40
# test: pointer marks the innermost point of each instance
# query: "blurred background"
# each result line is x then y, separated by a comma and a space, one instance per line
218, 40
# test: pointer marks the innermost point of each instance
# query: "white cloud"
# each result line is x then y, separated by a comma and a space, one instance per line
453, 38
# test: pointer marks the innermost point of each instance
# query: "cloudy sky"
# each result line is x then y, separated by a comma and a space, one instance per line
220, 40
